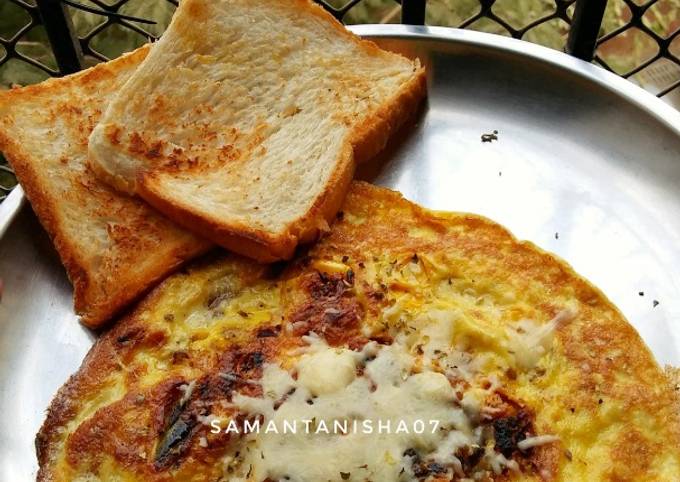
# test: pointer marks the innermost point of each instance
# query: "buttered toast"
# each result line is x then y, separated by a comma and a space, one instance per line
113, 246
246, 121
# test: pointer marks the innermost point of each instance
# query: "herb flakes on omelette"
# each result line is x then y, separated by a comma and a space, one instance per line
400, 314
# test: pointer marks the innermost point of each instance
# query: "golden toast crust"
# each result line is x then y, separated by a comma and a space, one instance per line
104, 277
159, 164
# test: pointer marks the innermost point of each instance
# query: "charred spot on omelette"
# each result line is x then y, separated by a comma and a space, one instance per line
399, 314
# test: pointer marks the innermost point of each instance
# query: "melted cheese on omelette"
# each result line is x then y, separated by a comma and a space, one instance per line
415, 422
529, 371
426, 374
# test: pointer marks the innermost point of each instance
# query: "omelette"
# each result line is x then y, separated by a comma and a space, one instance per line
405, 345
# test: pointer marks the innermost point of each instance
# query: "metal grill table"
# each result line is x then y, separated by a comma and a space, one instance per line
586, 165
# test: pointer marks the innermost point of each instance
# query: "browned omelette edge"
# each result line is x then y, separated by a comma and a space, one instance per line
529, 261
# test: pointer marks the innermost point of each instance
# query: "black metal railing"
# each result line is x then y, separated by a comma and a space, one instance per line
47, 41
667, 40
73, 50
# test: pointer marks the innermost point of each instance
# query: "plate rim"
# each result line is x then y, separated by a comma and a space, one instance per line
10, 208
611, 82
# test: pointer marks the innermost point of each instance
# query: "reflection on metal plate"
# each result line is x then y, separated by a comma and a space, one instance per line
10, 208
586, 165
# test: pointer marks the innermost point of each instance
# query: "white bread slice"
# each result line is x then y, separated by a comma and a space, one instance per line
113, 247
245, 122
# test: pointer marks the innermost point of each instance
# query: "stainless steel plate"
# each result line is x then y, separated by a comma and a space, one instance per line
586, 165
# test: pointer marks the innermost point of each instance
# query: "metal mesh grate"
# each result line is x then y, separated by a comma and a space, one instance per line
516, 18
24, 43
652, 30
637, 39
131, 30
102, 29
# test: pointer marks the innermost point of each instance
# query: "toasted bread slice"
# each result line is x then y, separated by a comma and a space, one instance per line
246, 120
113, 247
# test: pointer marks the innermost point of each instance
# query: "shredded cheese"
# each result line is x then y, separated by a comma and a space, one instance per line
426, 374
387, 393
530, 442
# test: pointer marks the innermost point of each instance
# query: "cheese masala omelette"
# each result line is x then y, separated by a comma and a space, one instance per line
398, 316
